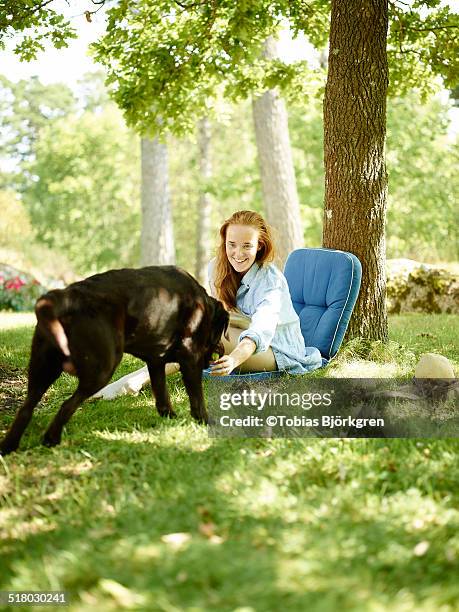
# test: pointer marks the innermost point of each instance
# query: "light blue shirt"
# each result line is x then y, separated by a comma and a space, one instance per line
264, 297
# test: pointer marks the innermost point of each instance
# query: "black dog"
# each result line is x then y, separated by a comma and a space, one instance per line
159, 314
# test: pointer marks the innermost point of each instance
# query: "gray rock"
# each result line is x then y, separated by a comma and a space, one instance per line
416, 287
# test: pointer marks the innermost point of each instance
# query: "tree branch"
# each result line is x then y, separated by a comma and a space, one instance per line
406, 51
445, 27
188, 6
34, 9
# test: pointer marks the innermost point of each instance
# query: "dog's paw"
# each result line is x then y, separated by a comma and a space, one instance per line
200, 415
167, 412
6, 449
50, 441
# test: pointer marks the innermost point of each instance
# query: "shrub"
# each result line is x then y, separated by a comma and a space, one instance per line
18, 290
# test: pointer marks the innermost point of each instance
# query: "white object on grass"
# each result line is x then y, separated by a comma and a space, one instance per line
432, 365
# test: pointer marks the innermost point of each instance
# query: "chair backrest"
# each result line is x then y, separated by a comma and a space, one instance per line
324, 285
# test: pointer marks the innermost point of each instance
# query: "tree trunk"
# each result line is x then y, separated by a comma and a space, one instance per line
156, 237
277, 172
355, 172
204, 203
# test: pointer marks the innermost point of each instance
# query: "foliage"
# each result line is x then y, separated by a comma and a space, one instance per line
73, 151
421, 159
15, 224
307, 137
422, 220
26, 107
423, 42
169, 65
83, 199
19, 247
77, 175
169, 62
211, 47
422, 217
38, 22
18, 290
234, 183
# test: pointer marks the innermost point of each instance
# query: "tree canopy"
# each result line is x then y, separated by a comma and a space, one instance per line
37, 22
169, 61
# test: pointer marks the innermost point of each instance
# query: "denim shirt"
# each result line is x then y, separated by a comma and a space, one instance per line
264, 297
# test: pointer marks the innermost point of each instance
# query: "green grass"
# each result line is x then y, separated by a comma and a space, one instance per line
137, 512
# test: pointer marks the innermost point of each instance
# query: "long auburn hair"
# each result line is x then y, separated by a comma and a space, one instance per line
227, 280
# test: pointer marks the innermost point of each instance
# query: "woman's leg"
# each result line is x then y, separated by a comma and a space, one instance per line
131, 383
256, 363
237, 319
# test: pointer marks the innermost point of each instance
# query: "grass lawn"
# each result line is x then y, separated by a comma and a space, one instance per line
136, 512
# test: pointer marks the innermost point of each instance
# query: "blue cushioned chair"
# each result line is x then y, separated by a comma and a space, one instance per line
324, 285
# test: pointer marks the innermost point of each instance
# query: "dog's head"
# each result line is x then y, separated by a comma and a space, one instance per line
218, 327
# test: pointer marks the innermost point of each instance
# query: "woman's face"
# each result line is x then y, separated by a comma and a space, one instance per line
241, 246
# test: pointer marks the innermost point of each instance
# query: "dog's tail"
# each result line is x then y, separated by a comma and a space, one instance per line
52, 327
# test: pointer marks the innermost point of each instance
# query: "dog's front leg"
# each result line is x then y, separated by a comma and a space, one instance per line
192, 378
159, 388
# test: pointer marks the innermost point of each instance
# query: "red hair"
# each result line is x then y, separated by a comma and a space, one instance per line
227, 280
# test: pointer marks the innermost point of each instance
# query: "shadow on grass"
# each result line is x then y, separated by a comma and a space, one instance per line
262, 524
244, 532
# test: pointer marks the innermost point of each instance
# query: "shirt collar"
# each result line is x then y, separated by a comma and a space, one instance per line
250, 274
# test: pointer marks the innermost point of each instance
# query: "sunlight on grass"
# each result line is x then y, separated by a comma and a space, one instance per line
359, 368
135, 437
134, 511
16, 525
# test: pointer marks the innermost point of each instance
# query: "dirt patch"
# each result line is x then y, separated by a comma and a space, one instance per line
13, 383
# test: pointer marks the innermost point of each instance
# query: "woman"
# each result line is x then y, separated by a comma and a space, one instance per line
244, 279
264, 332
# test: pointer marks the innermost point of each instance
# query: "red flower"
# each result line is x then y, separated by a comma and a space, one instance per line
14, 283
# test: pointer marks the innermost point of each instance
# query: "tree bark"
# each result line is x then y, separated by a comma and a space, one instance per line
355, 171
205, 202
277, 172
156, 237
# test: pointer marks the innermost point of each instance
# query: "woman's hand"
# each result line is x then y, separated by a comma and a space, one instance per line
226, 364
223, 366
